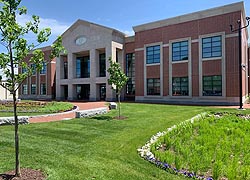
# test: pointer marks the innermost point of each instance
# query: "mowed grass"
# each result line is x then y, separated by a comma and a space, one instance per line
95, 148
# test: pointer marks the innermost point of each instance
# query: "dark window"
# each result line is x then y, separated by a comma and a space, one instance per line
153, 54
180, 86
82, 67
153, 86
43, 89
33, 68
102, 65
24, 70
25, 89
65, 67
44, 68
212, 86
180, 51
130, 73
33, 89
211, 47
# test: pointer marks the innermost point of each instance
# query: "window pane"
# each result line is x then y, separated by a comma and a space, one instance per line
211, 47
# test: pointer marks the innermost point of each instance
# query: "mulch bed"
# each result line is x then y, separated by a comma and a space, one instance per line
26, 174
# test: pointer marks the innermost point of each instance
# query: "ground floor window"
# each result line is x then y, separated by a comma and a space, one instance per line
83, 91
33, 88
43, 89
25, 89
153, 86
180, 86
212, 86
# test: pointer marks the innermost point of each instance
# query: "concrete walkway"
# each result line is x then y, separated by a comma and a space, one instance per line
67, 115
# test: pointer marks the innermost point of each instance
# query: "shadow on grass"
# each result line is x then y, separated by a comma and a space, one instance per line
6, 176
102, 118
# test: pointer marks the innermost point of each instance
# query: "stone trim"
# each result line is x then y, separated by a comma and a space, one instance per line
239, 6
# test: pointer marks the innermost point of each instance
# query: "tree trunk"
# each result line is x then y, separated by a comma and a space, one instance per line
18, 172
119, 105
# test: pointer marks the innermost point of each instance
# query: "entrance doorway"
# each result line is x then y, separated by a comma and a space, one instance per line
102, 92
65, 93
83, 91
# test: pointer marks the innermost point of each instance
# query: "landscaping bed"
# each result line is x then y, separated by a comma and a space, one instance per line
36, 107
212, 146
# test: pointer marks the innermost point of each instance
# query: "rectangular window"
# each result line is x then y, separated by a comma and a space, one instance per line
130, 73
153, 54
65, 68
211, 47
102, 65
25, 89
83, 67
180, 51
44, 68
33, 89
24, 70
43, 89
212, 86
153, 86
180, 86
33, 67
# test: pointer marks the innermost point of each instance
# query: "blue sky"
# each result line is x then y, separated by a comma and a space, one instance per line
120, 15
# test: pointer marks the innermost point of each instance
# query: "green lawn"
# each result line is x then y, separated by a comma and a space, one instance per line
95, 148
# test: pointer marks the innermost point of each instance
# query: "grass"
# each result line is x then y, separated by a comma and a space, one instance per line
32, 108
95, 148
216, 146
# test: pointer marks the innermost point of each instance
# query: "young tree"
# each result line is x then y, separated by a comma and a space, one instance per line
13, 39
117, 80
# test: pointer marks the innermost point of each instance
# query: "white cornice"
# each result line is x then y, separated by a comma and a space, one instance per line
239, 6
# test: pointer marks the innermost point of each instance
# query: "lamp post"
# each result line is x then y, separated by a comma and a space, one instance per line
240, 55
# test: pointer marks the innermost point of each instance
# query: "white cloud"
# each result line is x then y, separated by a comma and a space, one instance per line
57, 28
129, 33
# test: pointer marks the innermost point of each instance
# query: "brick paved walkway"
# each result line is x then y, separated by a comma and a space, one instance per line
67, 115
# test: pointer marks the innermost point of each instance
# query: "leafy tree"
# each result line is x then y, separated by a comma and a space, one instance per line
13, 39
117, 80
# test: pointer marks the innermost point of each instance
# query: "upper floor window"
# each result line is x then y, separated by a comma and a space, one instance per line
102, 65
65, 69
33, 67
153, 54
44, 68
212, 86
83, 67
211, 47
24, 70
180, 51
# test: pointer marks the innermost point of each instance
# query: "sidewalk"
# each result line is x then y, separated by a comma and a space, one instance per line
67, 115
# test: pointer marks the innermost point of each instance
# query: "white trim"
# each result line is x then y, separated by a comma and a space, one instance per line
139, 49
239, 6
231, 35
165, 45
195, 41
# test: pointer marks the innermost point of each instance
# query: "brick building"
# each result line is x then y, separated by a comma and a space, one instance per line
41, 85
191, 59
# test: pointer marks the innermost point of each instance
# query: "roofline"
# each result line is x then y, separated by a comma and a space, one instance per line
239, 6
79, 21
